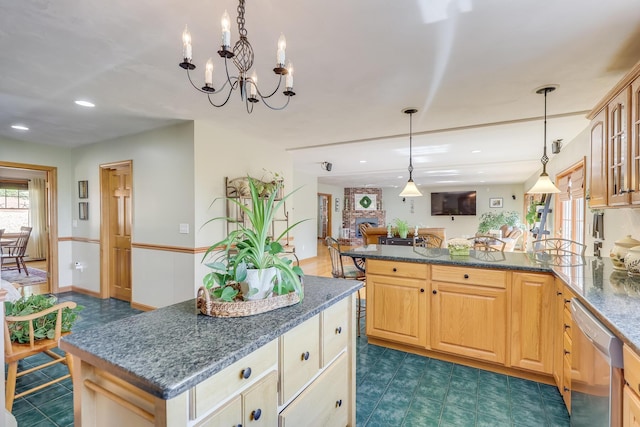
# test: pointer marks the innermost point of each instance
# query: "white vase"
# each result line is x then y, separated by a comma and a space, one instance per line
632, 261
620, 250
260, 279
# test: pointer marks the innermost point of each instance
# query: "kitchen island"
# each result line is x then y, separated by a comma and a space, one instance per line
175, 367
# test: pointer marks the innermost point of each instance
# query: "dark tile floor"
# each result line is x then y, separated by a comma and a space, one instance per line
393, 388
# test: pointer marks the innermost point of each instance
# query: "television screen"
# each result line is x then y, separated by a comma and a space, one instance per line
453, 203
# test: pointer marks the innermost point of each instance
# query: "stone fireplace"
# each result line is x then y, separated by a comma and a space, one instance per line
352, 217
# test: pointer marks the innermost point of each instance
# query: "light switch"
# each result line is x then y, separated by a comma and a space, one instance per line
184, 228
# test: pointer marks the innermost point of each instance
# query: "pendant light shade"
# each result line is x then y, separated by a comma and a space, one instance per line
410, 190
544, 185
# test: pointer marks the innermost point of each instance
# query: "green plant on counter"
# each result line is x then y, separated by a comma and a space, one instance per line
402, 227
251, 247
44, 327
495, 220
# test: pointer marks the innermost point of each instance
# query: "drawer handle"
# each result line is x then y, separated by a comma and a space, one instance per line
567, 301
558, 293
338, 330
246, 373
395, 269
338, 403
466, 276
567, 389
567, 352
256, 414
305, 356
566, 327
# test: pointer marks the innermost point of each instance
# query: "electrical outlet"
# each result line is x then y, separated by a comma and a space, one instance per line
184, 228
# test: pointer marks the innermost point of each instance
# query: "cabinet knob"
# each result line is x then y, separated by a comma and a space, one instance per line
566, 327
338, 330
567, 301
558, 293
567, 389
246, 373
567, 352
421, 289
305, 356
434, 291
256, 414
395, 269
466, 276
338, 403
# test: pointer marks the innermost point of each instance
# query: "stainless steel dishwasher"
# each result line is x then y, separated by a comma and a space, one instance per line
596, 371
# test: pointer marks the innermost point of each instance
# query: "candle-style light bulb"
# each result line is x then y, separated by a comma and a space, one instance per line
282, 45
254, 88
208, 72
226, 30
186, 43
289, 78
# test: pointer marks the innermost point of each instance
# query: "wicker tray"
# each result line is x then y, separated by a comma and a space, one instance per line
242, 308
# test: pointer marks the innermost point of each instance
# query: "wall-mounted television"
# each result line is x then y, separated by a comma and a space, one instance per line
453, 203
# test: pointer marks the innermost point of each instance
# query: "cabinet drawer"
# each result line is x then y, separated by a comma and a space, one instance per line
566, 344
299, 357
226, 382
567, 321
470, 276
631, 368
395, 268
323, 403
335, 329
260, 402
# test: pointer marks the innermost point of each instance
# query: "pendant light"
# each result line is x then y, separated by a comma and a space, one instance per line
410, 190
544, 184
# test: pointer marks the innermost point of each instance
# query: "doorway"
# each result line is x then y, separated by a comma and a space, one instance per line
47, 227
115, 230
324, 215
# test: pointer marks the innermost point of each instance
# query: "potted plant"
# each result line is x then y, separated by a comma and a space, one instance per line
44, 327
402, 227
247, 263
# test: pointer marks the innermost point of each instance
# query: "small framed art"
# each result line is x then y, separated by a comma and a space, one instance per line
495, 202
83, 211
83, 189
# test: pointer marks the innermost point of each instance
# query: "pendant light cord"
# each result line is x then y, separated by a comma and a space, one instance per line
545, 158
410, 146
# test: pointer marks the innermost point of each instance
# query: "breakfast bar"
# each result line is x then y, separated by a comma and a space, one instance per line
175, 367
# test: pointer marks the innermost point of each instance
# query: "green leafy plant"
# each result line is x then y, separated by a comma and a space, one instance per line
44, 327
532, 213
402, 227
251, 246
494, 220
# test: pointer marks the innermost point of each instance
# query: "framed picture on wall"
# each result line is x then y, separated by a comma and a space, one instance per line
83, 189
495, 202
83, 211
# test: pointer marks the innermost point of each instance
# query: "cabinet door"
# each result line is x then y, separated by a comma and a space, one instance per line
397, 309
336, 329
323, 403
469, 321
260, 402
230, 415
532, 321
619, 149
558, 333
300, 357
635, 141
598, 161
630, 408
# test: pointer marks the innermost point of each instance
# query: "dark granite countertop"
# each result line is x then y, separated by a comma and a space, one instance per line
611, 295
169, 350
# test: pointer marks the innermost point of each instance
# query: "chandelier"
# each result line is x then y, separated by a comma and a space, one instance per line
544, 185
242, 57
410, 190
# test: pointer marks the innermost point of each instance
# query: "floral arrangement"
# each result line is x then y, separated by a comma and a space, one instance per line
458, 246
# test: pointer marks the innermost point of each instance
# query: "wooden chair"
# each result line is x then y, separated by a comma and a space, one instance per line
339, 270
14, 352
428, 241
17, 250
488, 244
559, 247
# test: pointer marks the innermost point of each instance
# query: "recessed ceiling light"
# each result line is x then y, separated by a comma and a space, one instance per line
475, 151
19, 127
400, 177
363, 161
83, 103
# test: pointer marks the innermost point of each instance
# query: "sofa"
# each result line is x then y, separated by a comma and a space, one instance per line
370, 234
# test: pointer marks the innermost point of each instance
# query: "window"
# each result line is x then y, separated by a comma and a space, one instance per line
570, 204
14, 205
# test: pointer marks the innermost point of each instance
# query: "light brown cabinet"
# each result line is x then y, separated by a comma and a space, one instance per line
618, 149
631, 393
635, 141
468, 319
397, 307
598, 161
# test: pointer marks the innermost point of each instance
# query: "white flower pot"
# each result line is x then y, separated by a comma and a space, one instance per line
260, 279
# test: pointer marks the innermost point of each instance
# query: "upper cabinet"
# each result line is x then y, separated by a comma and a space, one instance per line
615, 145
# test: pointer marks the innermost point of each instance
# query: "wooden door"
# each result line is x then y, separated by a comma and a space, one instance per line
469, 321
635, 141
397, 309
116, 231
532, 323
598, 160
618, 149
324, 215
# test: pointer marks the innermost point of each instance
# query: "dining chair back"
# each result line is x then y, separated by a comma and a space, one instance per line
428, 241
560, 247
340, 271
14, 352
17, 250
488, 243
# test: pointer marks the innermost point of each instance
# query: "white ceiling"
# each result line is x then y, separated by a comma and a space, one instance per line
471, 67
